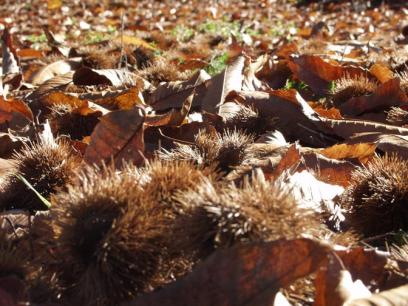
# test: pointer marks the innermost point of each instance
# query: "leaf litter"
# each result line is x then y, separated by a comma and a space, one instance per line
203, 153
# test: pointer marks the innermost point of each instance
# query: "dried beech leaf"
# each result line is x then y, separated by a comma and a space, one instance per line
242, 275
361, 151
317, 73
394, 297
118, 136
397, 144
11, 62
381, 72
295, 118
55, 69
387, 94
7, 108
113, 77
173, 94
346, 128
221, 84
173, 117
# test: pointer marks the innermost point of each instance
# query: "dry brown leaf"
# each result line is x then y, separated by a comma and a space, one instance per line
347, 128
381, 72
113, 77
386, 95
295, 118
317, 73
55, 69
173, 94
243, 275
118, 136
173, 117
360, 151
8, 107
221, 84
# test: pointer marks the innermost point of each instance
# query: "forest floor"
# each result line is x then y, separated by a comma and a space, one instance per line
203, 153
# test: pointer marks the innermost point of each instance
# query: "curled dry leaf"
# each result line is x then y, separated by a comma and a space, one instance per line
118, 136
173, 94
173, 117
55, 69
242, 275
230, 79
386, 95
11, 70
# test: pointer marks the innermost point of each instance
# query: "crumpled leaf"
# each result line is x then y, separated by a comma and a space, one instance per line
55, 69
173, 117
386, 95
118, 136
362, 264
173, 94
12, 74
386, 143
113, 77
220, 85
242, 275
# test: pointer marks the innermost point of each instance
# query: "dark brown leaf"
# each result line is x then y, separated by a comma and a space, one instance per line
118, 136
243, 275
387, 94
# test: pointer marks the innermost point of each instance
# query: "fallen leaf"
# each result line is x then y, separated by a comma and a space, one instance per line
173, 94
118, 136
55, 69
8, 107
112, 77
173, 117
294, 117
230, 79
381, 72
360, 151
386, 95
317, 73
242, 275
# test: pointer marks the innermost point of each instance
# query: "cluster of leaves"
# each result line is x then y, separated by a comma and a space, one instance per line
256, 154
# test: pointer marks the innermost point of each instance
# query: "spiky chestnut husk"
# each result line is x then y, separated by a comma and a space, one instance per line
397, 116
347, 88
46, 165
110, 239
247, 119
162, 70
225, 151
377, 198
257, 211
100, 59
